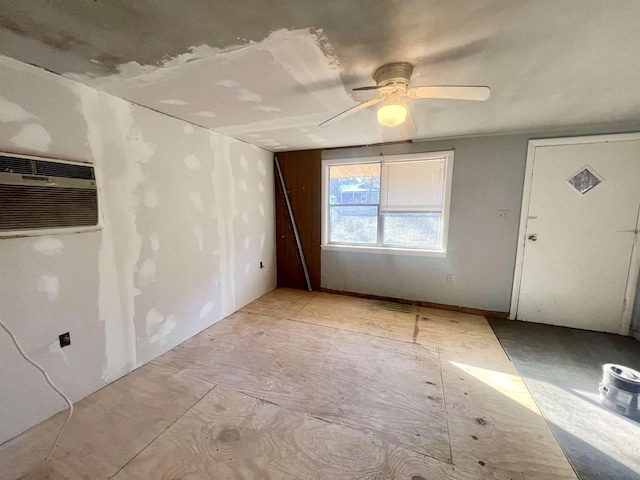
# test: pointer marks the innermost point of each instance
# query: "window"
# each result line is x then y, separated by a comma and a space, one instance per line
391, 204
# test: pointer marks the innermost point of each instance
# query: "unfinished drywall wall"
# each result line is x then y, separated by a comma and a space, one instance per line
488, 176
188, 215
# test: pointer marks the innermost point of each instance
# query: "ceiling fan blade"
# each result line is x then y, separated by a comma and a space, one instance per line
408, 127
376, 87
351, 111
479, 93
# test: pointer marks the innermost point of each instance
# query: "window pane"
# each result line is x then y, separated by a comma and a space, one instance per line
412, 230
354, 184
353, 224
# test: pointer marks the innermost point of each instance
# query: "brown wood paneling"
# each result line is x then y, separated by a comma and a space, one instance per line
302, 172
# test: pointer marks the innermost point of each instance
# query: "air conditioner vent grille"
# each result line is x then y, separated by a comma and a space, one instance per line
15, 165
64, 170
35, 207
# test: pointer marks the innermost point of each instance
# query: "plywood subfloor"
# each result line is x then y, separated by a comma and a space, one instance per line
308, 385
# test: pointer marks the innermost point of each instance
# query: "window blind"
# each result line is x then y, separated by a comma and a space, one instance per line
414, 186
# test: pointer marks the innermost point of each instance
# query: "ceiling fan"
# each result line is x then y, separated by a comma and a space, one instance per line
392, 82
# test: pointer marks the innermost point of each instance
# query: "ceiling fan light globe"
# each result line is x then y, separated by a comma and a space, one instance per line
392, 114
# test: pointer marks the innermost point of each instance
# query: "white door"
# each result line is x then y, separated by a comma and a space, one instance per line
579, 236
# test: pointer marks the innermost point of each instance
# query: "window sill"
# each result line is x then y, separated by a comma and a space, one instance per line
385, 250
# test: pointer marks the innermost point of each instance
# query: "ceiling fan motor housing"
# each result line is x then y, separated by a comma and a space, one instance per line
393, 73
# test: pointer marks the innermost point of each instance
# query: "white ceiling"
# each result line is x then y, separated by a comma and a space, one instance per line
269, 71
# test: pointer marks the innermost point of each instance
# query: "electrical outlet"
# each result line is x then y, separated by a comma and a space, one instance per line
65, 340
449, 278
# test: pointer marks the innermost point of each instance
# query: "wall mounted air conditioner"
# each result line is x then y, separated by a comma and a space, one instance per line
42, 194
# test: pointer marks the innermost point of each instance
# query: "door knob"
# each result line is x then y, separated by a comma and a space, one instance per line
532, 238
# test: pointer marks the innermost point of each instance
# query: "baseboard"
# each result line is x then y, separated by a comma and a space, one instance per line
418, 303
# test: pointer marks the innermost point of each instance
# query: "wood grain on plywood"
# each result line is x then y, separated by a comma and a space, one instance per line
230, 435
107, 429
348, 388
373, 317
494, 424
281, 302
391, 389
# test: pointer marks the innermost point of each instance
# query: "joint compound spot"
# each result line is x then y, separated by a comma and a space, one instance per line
150, 197
154, 241
147, 272
261, 209
193, 163
196, 200
173, 101
246, 242
254, 135
245, 217
188, 129
247, 268
244, 164
198, 232
206, 309
48, 284
33, 137
263, 238
228, 83
242, 185
54, 347
157, 328
205, 114
261, 187
266, 108
245, 95
12, 112
262, 169
49, 246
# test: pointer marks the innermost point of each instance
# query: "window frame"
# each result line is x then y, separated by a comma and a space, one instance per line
446, 155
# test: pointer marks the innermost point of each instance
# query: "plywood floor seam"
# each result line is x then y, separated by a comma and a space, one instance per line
161, 433
310, 385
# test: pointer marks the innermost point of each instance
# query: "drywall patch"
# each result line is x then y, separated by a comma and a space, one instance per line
49, 246
196, 201
147, 272
193, 163
206, 309
199, 234
246, 95
205, 114
266, 108
154, 241
12, 112
244, 163
33, 137
54, 347
188, 129
173, 101
150, 196
262, 169
157, 328
50, 285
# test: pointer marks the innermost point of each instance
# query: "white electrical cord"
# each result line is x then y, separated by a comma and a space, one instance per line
46, 377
